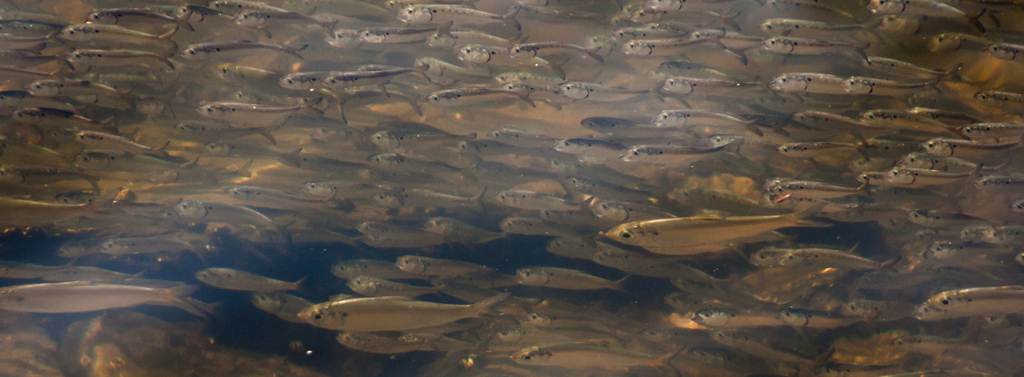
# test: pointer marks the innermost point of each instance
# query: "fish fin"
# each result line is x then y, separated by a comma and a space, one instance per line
487, 305
617, 285
446, 28
509, 17
738, 55
183, 20
290, 158
809, 212
592, 53
167, 37
666, 361
266, 132
311, 105
295, 285
478, 200
330, 28
729, 18
295, 51
384, 89
422, 71
973, 19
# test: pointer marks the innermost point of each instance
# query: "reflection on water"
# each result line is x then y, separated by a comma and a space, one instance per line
499, 188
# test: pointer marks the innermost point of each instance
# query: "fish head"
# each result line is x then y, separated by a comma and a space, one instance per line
320, 189
251, 19
628, 234
532, 276
788, 83
1001, 51
373, 36
441, 40
191, 209
348, 269
608, 210
300, 81
266, 301
926, 312
116, 246
713, 317
937, 147
537, 319
944, 42
895, 25
510, 198
319, 315
666, 5
388, 199
411, 264
44, 88
641, 153
637, 48
992, 99
899, 176
521, 52
78, 33
917, 161
101, 17
531, 356
387, 161
772, 26
1017, 206
439, 225
857, 85
363, 285
415, 15
574, 90
509, 335
243, 193
646, 15
778, 45
386, 140
11, 176
676, 86
474, 53
941, 250
352, 340
886, 6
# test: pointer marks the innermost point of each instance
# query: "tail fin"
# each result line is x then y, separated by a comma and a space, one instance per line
487, 305
973, 19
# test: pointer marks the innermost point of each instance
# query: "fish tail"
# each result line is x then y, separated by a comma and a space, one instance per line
290, 158
295, 51
487, 305
311, 105
166, 61
267, 133
510, 17
729, 19
799, 216
167, 37
617, 285
973, 19
183, 20
296, 285
446, 28
525, 96
330, 27
666, 362
592, 53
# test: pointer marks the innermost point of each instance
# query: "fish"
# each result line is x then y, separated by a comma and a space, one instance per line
226, 278
561, 278
669, 236
87, 296
391, 313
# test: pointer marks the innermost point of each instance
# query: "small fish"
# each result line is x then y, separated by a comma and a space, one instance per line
597, 92
664, 236
114, 16
928, 8
87, 296
804, 46
473, 95
562, 278
445, 268
391, 313
530, 50
230, 50
459, 15
261, 18
814, 83
116, 36
584, 356
377, 287
226, 278
113, 58
247, 115
981, 301
281, 305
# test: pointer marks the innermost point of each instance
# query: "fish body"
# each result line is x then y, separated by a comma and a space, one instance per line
391, 313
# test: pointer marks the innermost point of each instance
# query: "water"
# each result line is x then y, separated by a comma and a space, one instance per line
402, 158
